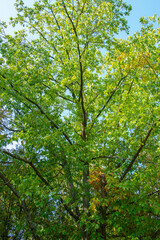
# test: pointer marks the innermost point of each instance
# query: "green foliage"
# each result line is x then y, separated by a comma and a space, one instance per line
81, 156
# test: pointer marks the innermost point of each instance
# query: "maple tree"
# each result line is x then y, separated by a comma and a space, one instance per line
80, 159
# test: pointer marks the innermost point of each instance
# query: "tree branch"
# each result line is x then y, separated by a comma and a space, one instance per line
137, 153
42, 35
156, 74
41, 177
154, 192
30, 163
54, 16
23, 205
15, 156
108, 100
112, 157
10, 129
81, 99
53, 125
154, 235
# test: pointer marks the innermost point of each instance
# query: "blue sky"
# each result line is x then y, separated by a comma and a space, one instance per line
139, 8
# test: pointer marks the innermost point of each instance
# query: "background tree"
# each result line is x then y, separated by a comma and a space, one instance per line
84, 112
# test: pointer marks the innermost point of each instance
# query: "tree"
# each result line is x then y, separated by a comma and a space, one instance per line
84, 111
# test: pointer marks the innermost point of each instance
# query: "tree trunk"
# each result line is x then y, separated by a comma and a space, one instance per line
103, 208
86, 197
